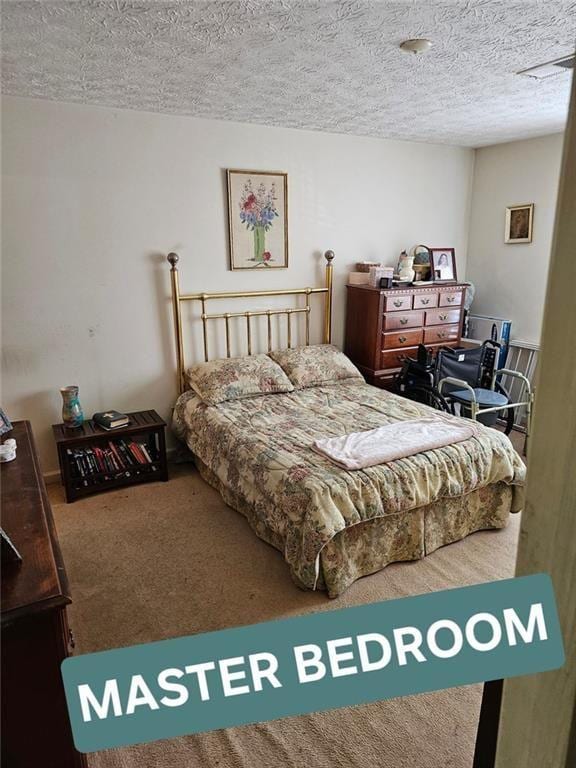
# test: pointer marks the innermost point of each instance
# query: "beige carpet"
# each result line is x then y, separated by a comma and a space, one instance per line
169, 559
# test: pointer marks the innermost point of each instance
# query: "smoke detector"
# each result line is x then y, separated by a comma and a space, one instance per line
551, 68
420, 45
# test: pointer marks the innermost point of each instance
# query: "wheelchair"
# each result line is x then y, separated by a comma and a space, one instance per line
467, 379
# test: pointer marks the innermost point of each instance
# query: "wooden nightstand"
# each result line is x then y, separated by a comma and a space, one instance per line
94, 459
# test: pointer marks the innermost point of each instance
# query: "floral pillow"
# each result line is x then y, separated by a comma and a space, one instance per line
233, 378
316, 365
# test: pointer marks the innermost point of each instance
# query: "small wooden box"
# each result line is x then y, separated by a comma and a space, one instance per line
145, 425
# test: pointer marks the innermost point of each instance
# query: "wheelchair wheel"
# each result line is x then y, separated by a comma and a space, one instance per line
509, 417
429, 397
509, 421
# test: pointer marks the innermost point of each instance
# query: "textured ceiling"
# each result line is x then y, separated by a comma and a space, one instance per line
327, 66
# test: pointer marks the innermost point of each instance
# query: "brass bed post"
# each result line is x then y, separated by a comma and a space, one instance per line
227, 321
248, 334
329, 256
173, 259
308, 292
204, 326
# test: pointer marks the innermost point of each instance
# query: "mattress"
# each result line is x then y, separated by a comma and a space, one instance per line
258, 452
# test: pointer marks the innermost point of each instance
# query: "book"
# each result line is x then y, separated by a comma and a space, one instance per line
89, 454
111, 419
137, 453
125, 451
116, 457
146, 453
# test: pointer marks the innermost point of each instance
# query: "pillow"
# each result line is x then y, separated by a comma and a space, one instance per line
236, 377
315, 365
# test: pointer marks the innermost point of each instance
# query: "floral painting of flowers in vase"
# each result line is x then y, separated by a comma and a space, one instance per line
258, 219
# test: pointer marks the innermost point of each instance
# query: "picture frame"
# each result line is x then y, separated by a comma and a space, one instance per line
257, 219
422, 265
519, 223
443, 265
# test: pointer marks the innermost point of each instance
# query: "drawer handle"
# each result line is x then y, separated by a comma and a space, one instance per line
443, 317
401, 358
398, 303
450, 299
424, 301
441, 334
402, 339
403, 321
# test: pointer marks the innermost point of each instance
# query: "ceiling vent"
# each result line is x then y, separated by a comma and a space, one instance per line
551, 68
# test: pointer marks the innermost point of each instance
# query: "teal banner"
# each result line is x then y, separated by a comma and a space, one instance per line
335, 658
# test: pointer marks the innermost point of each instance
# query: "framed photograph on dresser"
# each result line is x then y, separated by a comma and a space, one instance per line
443, 265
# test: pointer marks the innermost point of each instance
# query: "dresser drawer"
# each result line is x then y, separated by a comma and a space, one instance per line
395, 358
451, 299
397, 303
426, 301
441, 333
442, 316
402, 339
400, 320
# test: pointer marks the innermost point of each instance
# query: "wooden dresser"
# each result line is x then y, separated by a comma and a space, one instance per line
35, 635
385, 326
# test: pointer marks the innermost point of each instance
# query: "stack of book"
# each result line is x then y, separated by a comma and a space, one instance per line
118, 458
111, 420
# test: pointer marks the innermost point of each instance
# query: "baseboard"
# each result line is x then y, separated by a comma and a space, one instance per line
53, 477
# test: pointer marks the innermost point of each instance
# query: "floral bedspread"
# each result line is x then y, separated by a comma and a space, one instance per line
260, 448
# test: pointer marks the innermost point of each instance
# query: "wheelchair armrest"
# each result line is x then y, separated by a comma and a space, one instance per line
457, 383
515, 374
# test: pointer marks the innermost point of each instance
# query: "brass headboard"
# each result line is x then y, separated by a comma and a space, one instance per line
203, 298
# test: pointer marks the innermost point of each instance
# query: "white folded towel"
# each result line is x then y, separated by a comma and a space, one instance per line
359, 450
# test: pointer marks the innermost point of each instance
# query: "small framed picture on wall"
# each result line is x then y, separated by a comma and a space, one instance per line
443, 265
519, 223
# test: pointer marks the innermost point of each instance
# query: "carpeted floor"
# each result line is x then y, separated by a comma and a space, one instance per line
168, 559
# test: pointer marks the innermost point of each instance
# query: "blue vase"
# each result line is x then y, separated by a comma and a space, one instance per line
72, 415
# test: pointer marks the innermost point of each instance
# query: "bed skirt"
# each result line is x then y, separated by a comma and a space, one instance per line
371, 545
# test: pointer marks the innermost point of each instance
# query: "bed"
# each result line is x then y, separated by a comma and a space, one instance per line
332, 526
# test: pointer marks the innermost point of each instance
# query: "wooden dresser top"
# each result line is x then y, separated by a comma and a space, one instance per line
39, 582
411, 289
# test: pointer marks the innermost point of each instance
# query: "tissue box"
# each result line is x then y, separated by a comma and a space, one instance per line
358, 278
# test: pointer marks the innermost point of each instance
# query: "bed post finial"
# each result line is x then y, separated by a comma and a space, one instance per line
173, 259
329, 256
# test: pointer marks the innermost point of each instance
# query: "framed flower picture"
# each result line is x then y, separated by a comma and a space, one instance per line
258, 219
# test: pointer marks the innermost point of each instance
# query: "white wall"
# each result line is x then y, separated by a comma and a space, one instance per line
510, 279
93, 199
